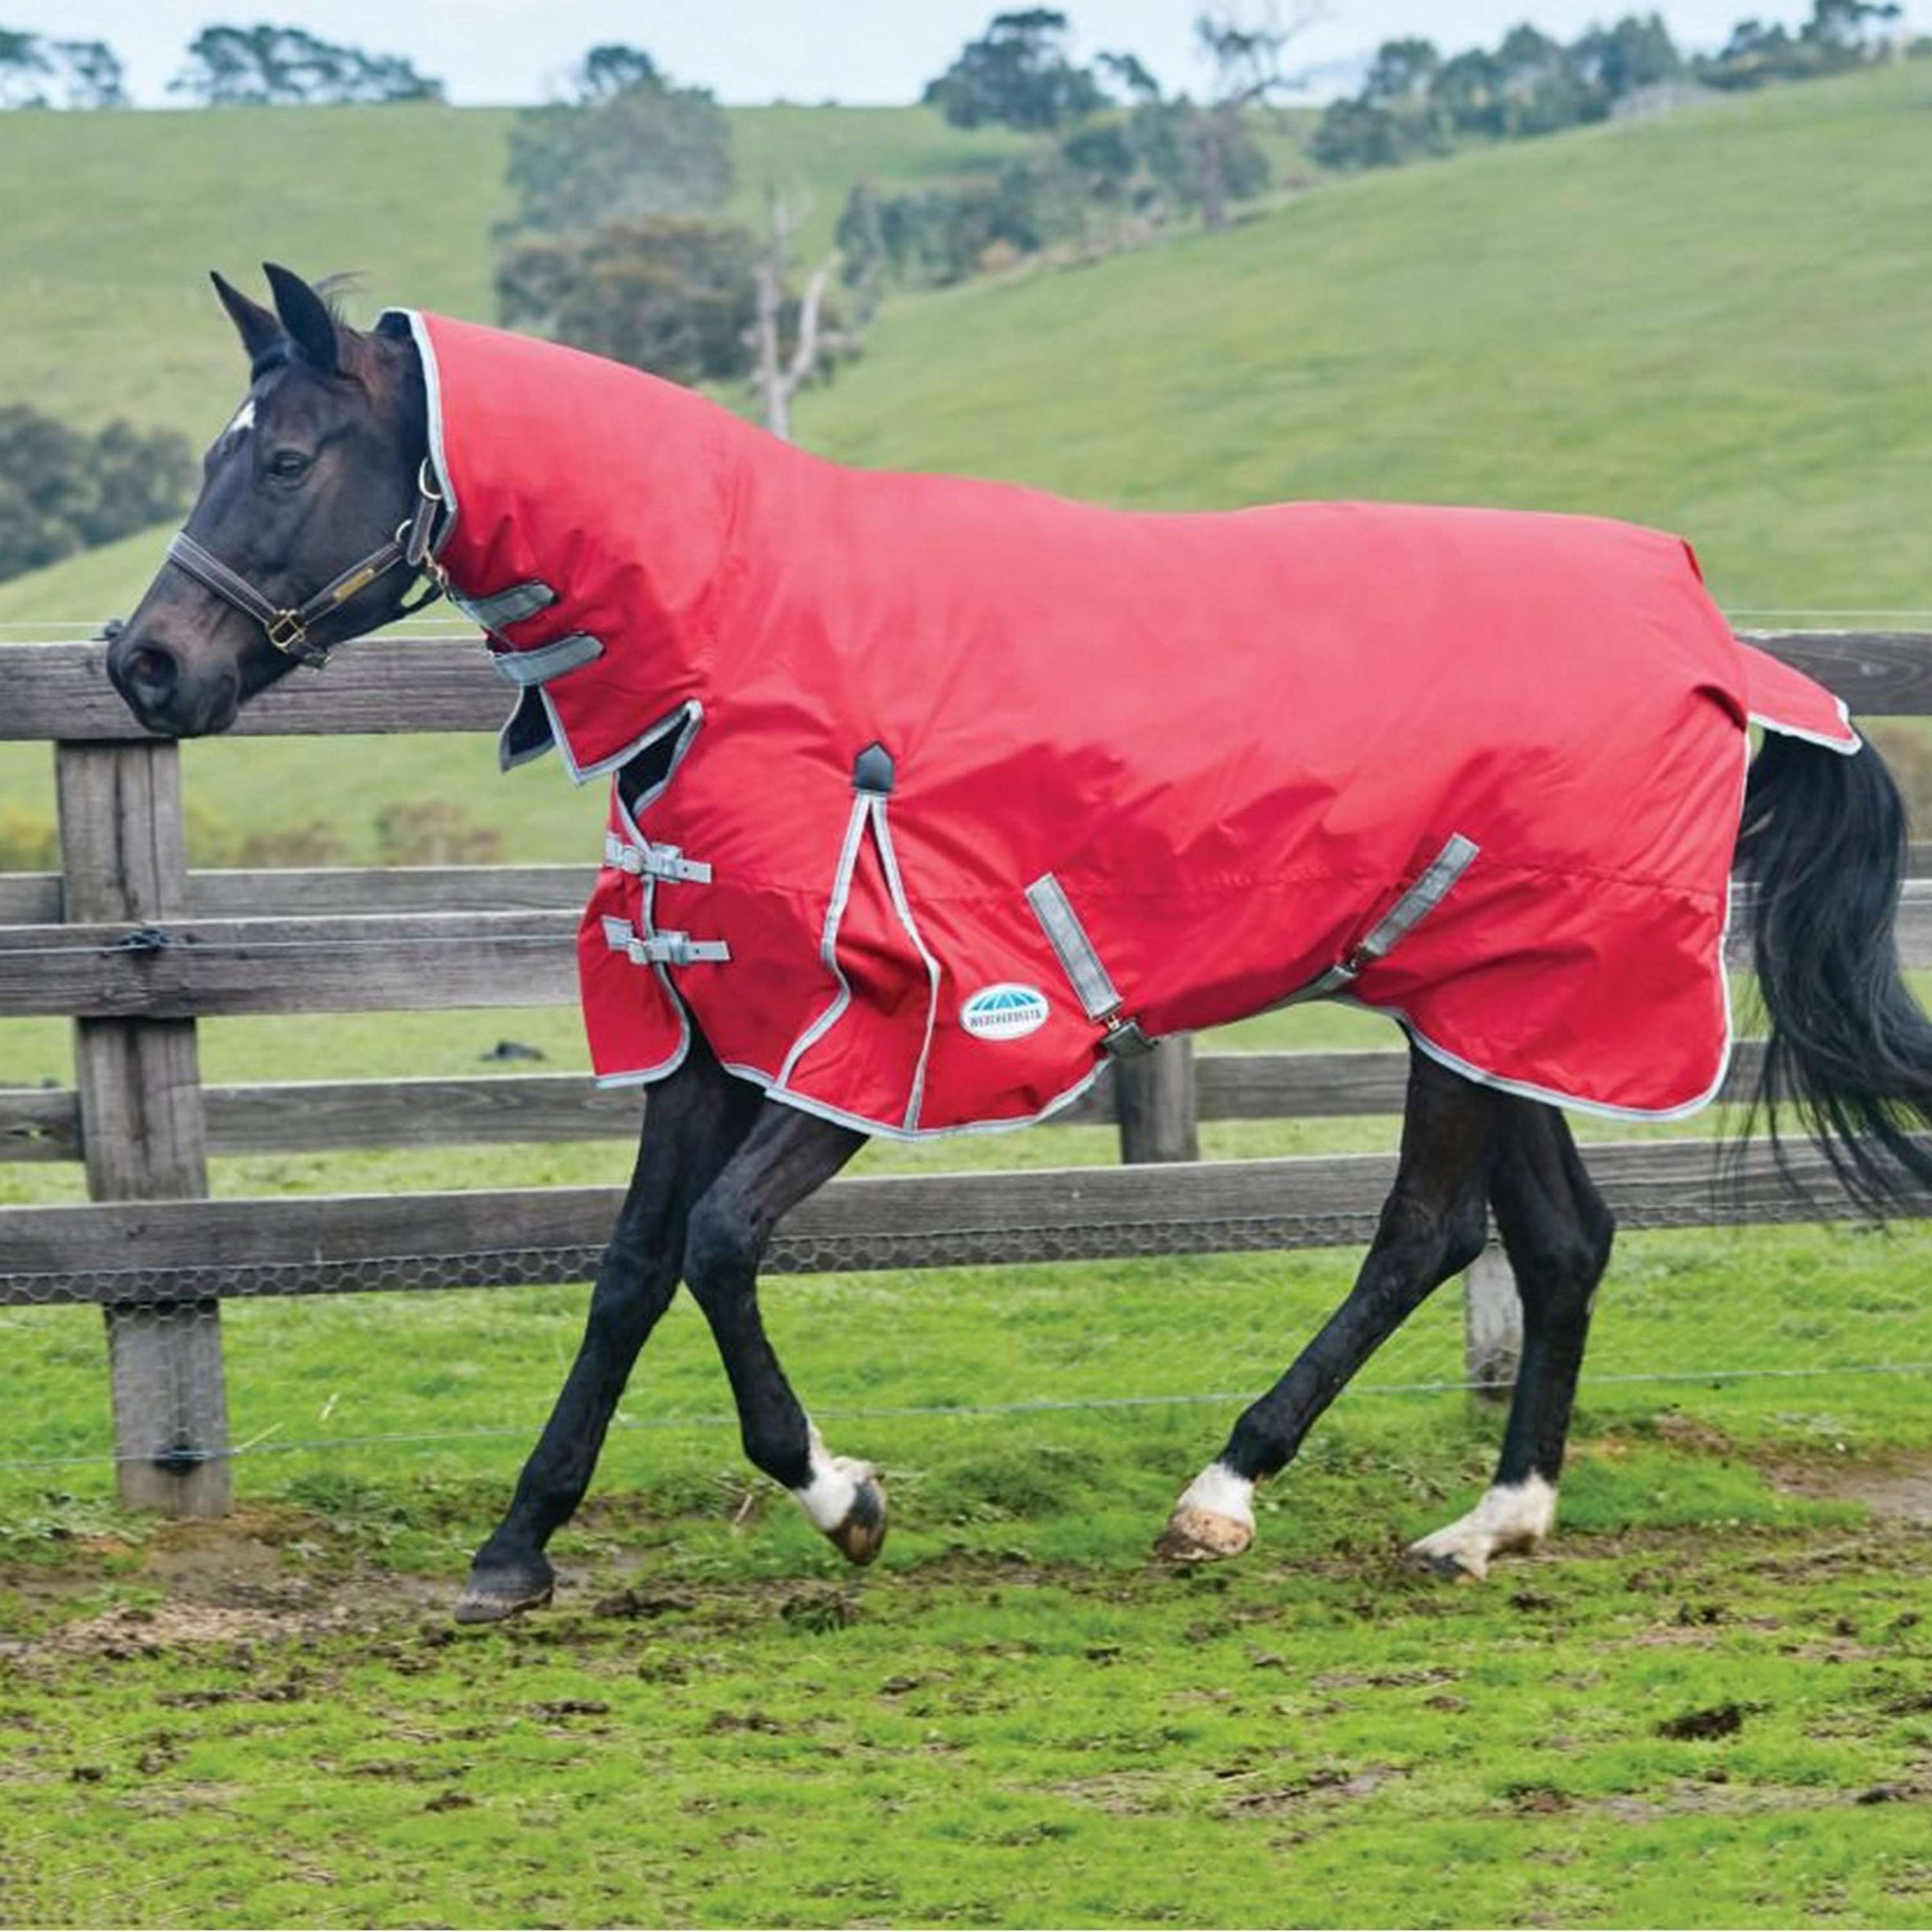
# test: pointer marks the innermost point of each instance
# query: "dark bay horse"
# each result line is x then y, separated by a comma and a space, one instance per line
316, 520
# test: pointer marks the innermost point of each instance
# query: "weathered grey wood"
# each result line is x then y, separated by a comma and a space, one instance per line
305, 1116
316, 1245
1154, 1102
1878, 674
137, 1085
355, 962
277, 893
380, 685
484, 1111
350, 962
30, 899
1492, 1324
341, 963
446, 684
34, 898
39, 1123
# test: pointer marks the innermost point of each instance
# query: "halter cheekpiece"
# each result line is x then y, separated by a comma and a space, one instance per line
287, 626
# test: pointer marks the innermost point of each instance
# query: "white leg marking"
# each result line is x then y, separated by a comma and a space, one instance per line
828, 1498
1511, 1516
1215, 1517
846, 1501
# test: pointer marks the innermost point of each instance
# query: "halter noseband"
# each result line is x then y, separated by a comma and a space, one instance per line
288, 627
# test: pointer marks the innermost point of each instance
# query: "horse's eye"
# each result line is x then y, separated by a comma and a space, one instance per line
287, 464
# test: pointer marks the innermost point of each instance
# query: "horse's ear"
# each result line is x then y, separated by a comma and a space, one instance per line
306, 317
258, 327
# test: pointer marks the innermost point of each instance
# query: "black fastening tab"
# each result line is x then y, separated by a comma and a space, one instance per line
872, 770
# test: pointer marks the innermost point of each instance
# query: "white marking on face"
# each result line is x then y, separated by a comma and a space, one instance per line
827, 1499
1220, 1492
244, 420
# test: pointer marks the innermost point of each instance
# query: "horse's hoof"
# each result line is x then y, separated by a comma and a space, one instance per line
859, 1537
491, 1595
1512, 1519
1196, 1535
1448, 1562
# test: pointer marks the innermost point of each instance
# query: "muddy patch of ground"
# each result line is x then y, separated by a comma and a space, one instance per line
1895, 1491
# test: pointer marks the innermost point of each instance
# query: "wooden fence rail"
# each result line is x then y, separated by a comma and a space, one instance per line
135, 948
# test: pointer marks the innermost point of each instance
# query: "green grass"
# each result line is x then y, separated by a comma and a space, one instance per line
1014, 1719
1712, 322
112, 221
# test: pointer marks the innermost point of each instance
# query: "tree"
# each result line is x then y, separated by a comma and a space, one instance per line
1637, 52
36, 72
676, 294
611, 70
1244, 54
61, 491
647, 148
1401, 72
790, 342
1017, 75
270, 66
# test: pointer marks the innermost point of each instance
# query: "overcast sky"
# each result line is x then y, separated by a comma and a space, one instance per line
749, 51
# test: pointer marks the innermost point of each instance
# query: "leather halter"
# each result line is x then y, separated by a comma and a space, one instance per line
288, 626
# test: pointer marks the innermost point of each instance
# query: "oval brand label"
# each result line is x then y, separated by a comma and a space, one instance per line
1004, 1012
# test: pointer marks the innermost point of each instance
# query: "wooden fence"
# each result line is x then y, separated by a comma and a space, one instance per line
135, 948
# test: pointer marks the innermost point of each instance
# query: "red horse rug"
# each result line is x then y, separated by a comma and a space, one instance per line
956, 788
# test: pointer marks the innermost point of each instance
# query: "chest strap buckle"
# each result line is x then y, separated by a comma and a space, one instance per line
655, 862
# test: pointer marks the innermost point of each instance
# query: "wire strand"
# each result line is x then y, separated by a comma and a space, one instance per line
1034, 1405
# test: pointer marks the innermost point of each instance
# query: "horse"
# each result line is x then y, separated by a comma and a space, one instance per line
337, 496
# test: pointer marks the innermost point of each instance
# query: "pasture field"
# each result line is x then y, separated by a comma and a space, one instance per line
1712, 1704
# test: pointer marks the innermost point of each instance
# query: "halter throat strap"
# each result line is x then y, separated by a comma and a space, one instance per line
287, 627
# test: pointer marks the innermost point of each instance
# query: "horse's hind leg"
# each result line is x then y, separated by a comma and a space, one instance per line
1557, 1232
788, 1155
1433, 1226
694, 1121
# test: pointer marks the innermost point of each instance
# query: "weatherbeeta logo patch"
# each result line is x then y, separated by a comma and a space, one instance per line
1005, 1011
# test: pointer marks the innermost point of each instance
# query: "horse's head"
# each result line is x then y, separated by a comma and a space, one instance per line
309, 524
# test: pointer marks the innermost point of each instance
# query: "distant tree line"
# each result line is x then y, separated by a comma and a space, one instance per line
618, 243
227, 66
1415, 102
38, 71
1113, 156
62, 491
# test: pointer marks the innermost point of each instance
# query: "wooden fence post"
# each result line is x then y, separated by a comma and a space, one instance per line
123, 851
1153, 1101
1491, 1325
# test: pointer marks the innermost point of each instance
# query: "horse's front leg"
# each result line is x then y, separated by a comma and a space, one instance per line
787, 1156
695, 1120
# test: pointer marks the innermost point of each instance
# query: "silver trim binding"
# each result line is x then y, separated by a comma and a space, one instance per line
1388, 932
542, 662
895, 887
505, 607
1092, 985
1093, 988
828, 942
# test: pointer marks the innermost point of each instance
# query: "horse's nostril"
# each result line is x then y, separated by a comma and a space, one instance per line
152, 673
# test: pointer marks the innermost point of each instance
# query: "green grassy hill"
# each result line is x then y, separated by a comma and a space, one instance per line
1716, 322
1720, 322
111, 222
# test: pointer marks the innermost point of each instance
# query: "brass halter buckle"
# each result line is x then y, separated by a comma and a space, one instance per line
288, 633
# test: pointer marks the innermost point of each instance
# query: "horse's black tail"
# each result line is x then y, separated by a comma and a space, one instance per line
1823, 846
